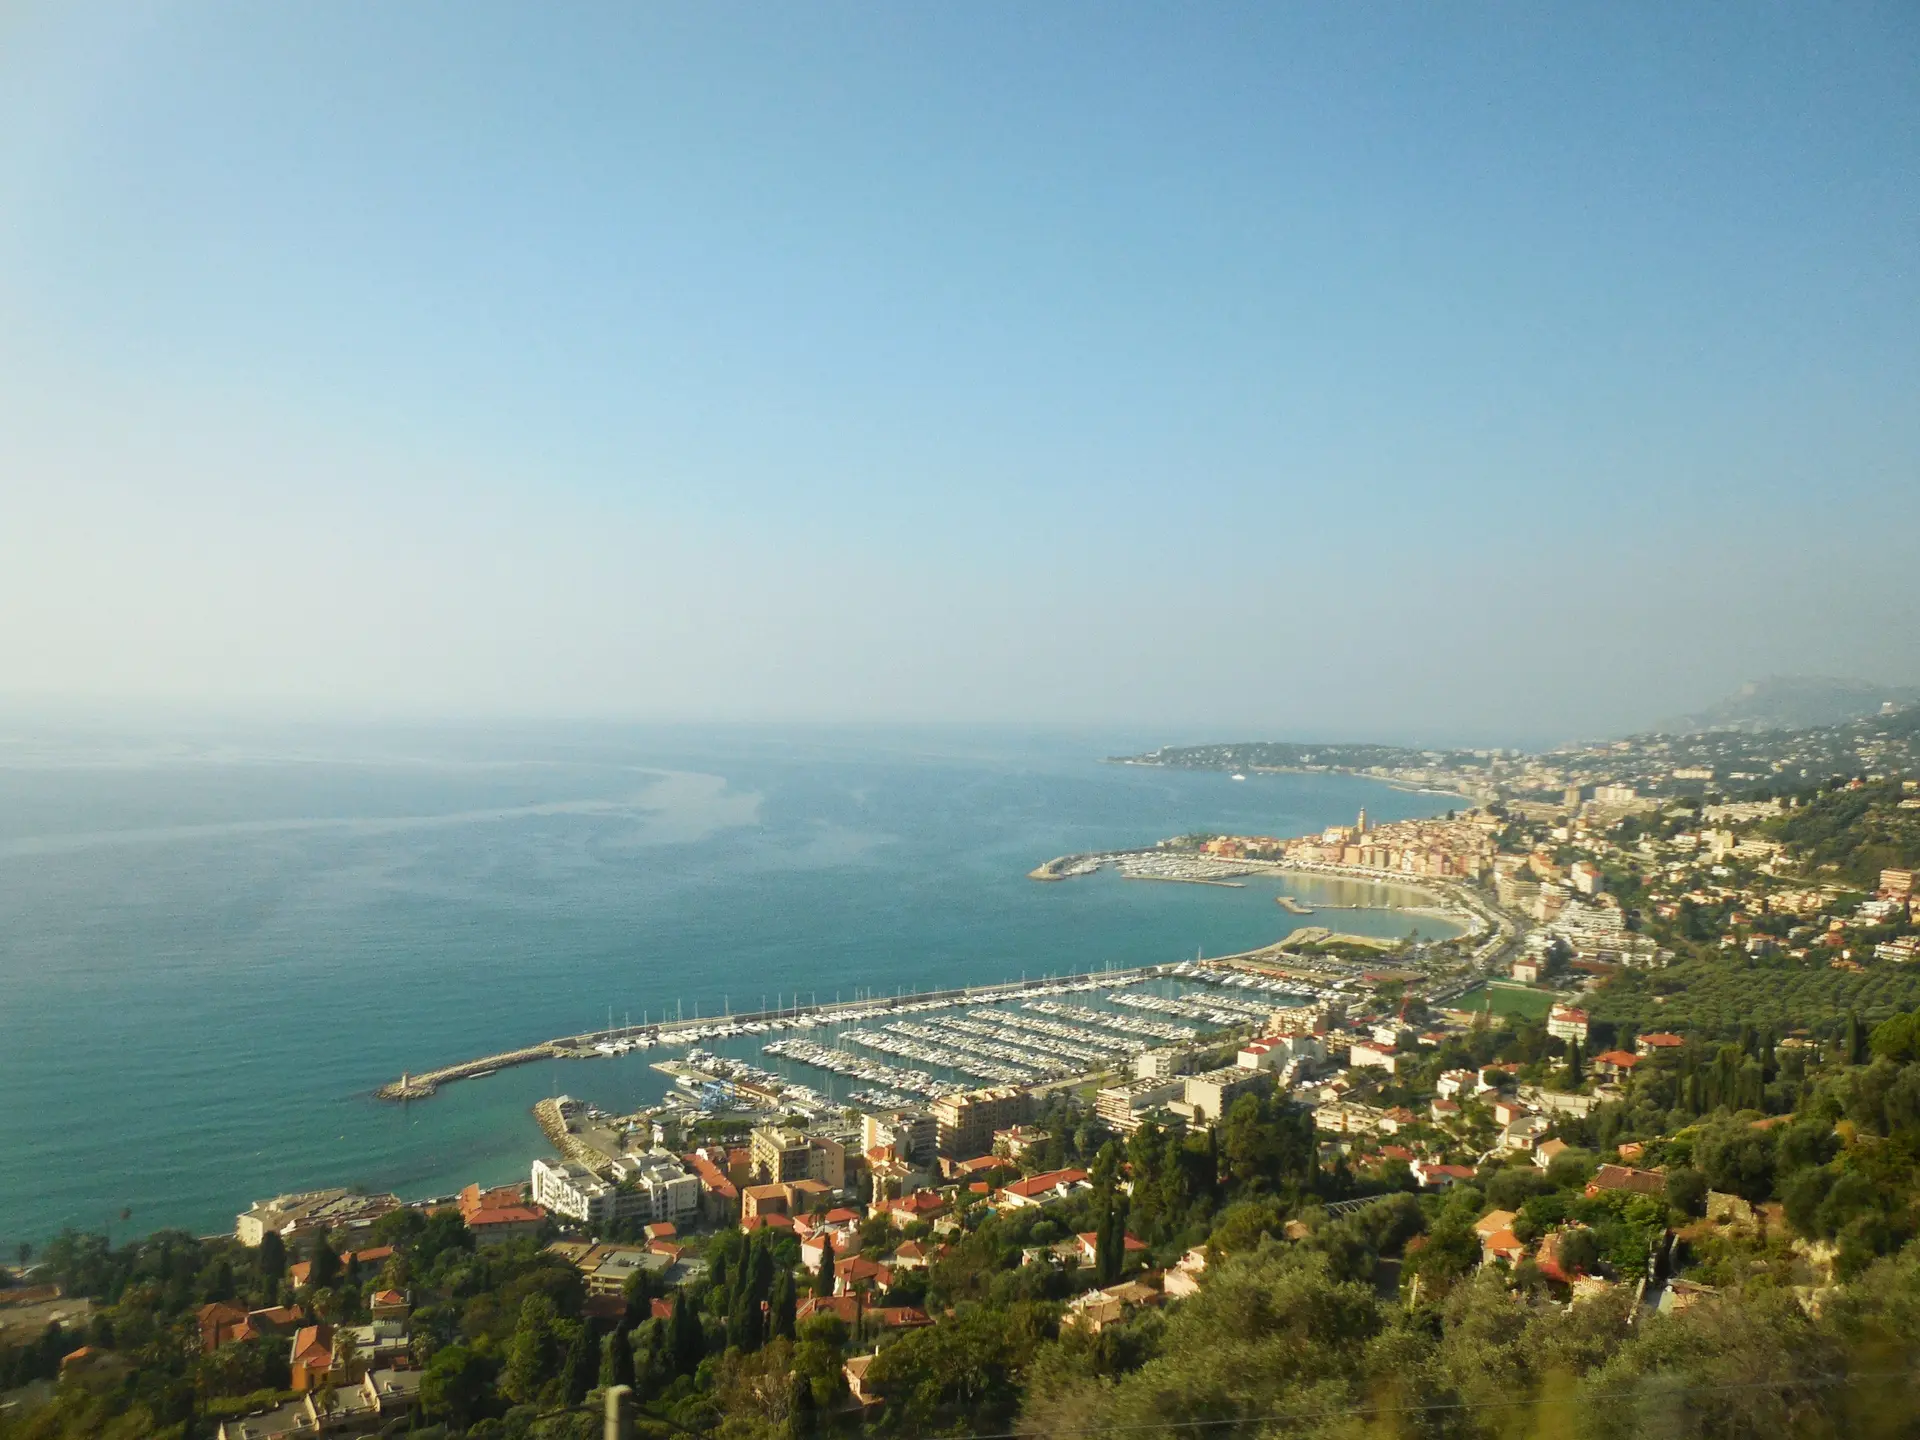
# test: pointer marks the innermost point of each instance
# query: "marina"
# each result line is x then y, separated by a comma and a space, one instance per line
628, 1038
913, 1048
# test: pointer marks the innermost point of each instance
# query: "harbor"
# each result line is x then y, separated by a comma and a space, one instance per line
914, 1048
627, 1038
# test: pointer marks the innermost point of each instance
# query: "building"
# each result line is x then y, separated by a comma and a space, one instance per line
912, 1135
1435, 1176
1523, 1133
1566, 1023
302, 1216
655, 1189
827, 1161
1041, 1189
1315, 1018
569, 1188
784, 1199
1162, 1064
1125, 1105
648, 1188
311, 1357
1373, 1055
1897, 884
779, 1154
493, 1217
1625, 1177
909, 1209
1209, 1095
380, 1397
1132, 1249
719, 1196
1276, 1052
1609, 1063
1017, 1141
966, 1122
1660, 1043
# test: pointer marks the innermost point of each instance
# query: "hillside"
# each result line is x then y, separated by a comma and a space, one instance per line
1792, 702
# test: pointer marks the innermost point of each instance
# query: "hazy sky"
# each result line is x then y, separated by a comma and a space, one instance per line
1280, 369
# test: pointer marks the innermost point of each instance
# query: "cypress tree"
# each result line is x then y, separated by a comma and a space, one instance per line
689, 1336
576, 1374
326, 1264
1573, 1062
530, 1355
743, 1331
616, 1363
1856, 1039
823, 1281
271, 1258
783, 1307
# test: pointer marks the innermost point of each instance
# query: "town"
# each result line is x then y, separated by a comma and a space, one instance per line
1616, 1088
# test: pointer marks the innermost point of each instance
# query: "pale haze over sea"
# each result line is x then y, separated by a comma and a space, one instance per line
213, 947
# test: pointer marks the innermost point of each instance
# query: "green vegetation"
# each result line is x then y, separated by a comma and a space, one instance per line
1855, 833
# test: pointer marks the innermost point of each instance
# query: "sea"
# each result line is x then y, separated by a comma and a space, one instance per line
217, 941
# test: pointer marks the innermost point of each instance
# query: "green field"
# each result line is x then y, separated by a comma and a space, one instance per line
1509, 1000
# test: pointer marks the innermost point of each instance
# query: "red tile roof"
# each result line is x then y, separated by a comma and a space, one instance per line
1039, 1184
507, 1215
1625, 1177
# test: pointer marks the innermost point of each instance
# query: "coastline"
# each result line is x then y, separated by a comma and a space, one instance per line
1427, 897
1405, 787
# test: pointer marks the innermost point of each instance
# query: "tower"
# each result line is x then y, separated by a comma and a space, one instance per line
1361, 827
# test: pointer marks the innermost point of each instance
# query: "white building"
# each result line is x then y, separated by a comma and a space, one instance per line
567, 1188
1162, 1064
647, 1188
658, 1188
1566, 1023
1382, 1057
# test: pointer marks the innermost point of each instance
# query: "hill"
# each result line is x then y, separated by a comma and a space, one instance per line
1792, 702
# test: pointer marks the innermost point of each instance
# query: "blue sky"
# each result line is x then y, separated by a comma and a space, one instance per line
1473, 370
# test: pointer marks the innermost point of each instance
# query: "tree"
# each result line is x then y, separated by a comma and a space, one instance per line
1738, 1159
1578, 1251
531, 1355
1687, 1190
782, 1306
577, 1373
1451, 1252
616, 1359
689, 1339
823, 1280
1573, 1065
453, 1387
325, 1266
819, 1356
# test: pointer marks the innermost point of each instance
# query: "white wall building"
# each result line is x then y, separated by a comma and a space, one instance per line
647, 1188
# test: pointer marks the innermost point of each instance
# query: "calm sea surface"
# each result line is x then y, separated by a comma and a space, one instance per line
214, 946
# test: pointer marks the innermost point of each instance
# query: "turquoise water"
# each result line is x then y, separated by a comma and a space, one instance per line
214, 946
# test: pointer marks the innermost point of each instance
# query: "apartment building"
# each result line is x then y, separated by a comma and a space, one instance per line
967, 1122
